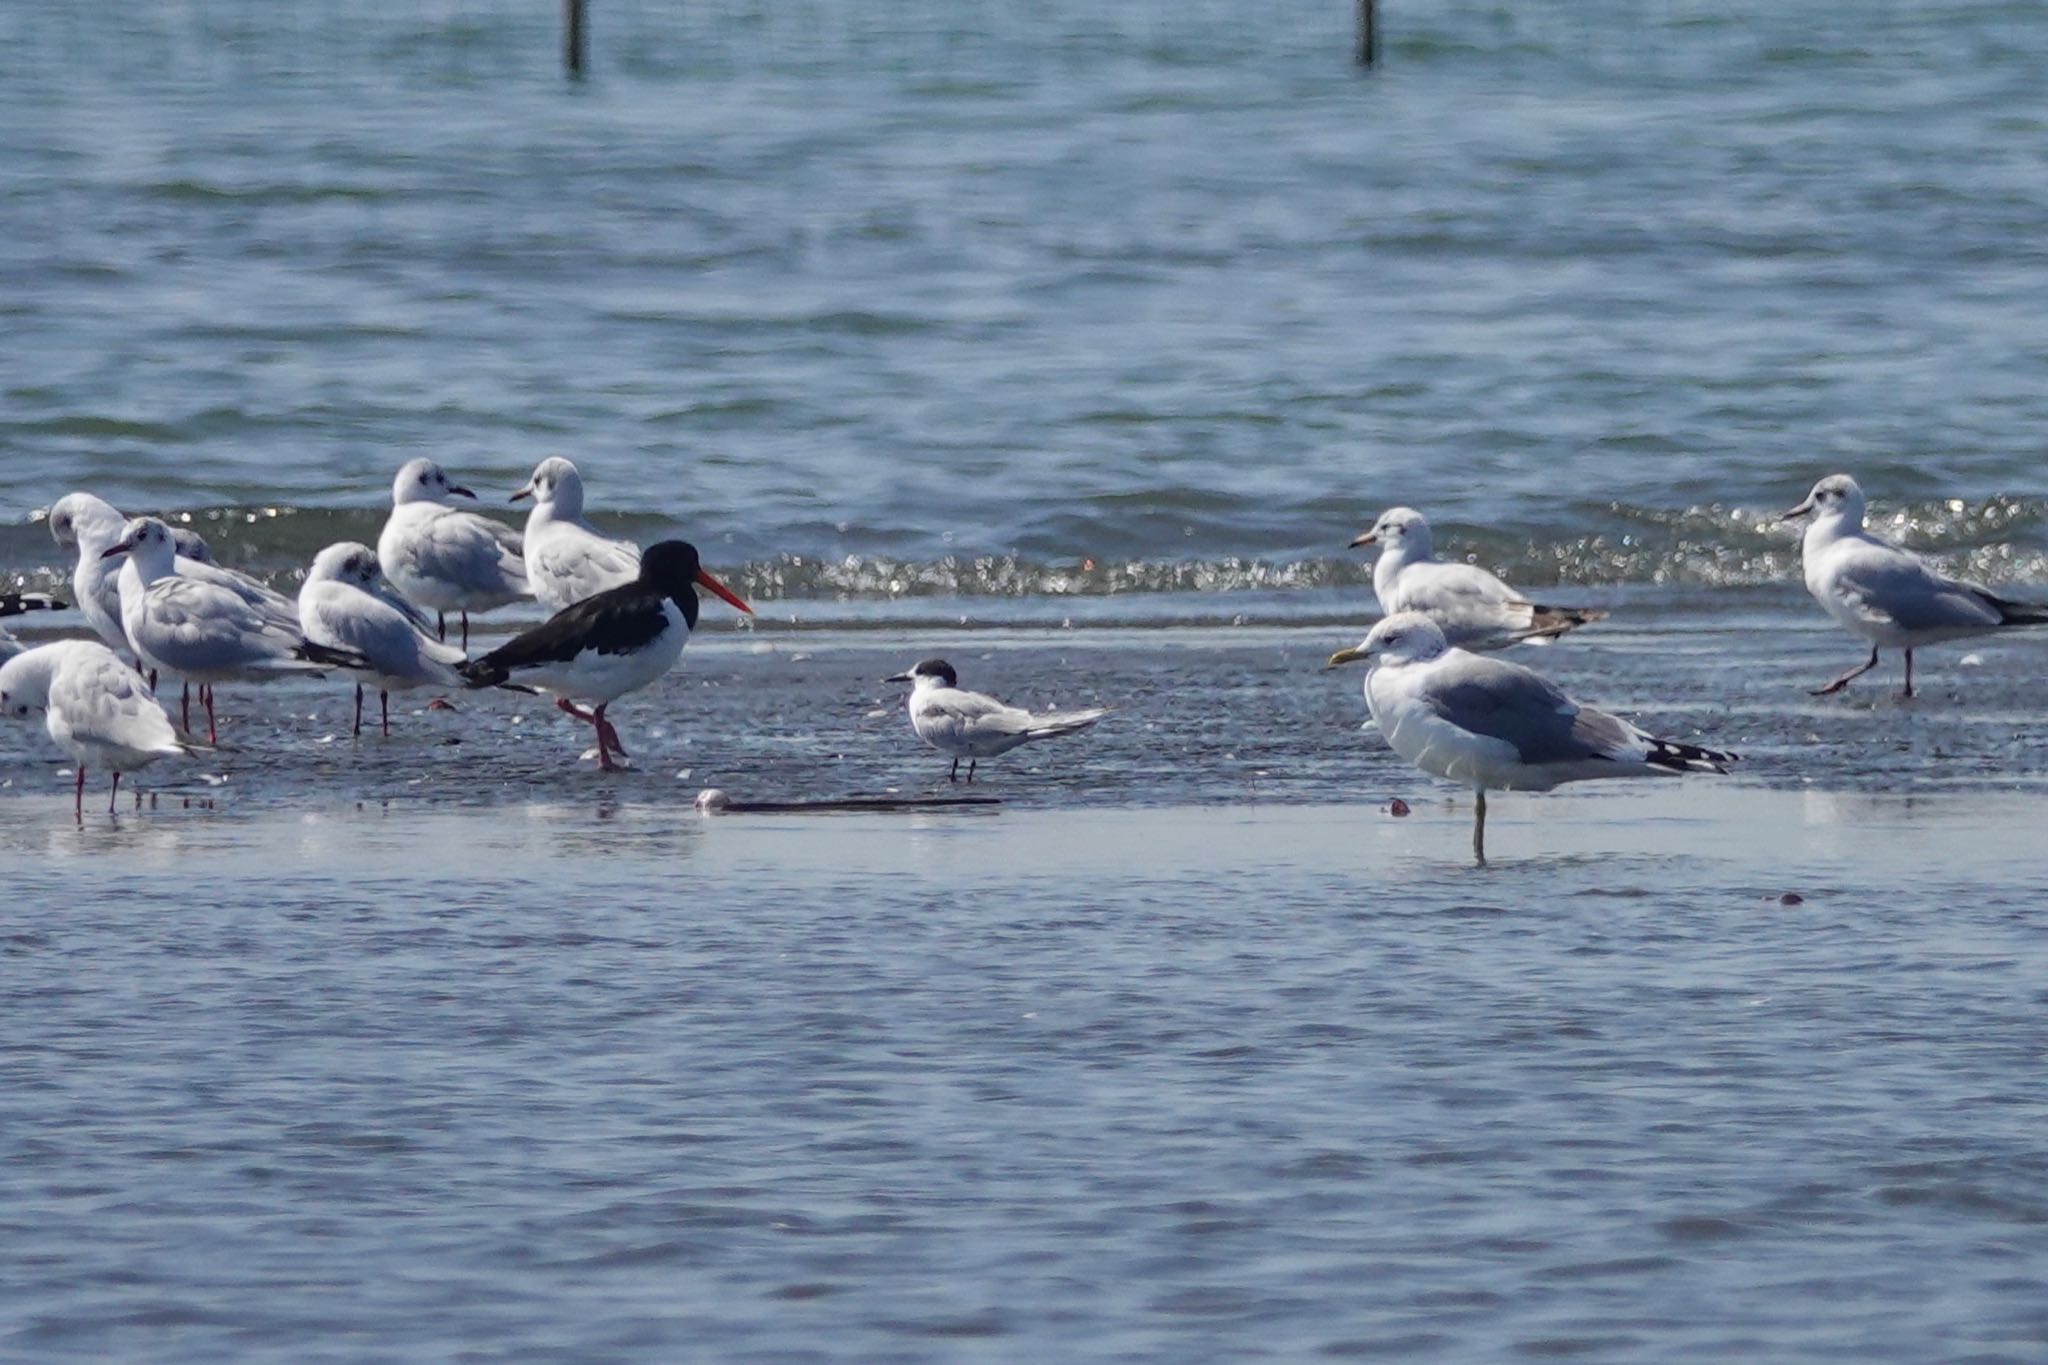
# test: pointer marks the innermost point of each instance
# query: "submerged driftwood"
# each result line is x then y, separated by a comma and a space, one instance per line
712, 801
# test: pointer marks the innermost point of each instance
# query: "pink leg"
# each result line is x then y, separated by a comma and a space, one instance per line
212, 730
604, 737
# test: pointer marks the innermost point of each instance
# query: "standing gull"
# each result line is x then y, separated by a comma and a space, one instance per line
96, 708
203, 633
347, 604
92, 524
1889, 595
1491, 724
566, 559
446, 559
970, 725
1475, 609
608, 645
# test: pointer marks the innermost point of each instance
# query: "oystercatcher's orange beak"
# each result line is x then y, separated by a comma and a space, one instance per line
704, 577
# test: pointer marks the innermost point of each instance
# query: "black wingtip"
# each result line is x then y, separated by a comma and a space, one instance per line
1683, 758
329, 657
482, 673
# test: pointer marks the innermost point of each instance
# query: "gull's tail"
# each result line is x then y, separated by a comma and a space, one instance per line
16, 603
1547, 623
2018, 613
1687, 758
1063, 723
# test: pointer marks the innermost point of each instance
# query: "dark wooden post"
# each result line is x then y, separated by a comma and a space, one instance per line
1368, 32
575, 38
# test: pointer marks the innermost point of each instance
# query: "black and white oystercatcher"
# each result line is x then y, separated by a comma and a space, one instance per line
603, 647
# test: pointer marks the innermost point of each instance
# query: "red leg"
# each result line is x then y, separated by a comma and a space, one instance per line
604, 737
564, 704
212, 729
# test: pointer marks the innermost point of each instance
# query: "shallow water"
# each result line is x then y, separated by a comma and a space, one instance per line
1070, 343
596, 1076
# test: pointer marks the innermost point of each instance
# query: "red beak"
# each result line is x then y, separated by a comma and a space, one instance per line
704, 577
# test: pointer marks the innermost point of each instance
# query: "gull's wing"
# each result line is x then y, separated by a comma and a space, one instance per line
1434, 586
1886, 585
96, 697
342, 616
476, 553
1505, 701
188, 615
572, 563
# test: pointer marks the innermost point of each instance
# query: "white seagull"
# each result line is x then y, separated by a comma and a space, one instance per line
972, 726
203, 633
443, 558
92, 524
1889, 595
348, 604
96, 708
1475, 609
1491, 724
606, 646
566, 559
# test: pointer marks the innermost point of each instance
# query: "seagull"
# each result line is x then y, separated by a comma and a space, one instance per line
443, 558
606, 646
566, 559
204, 633
972, 726
92, 524
95, 707
1886, 594
348, 604
1496, 725
1475, 609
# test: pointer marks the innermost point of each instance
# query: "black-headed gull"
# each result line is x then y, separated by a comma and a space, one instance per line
92, 524
346, 603
1888, 595
1497, 726
566, 559
95, 708
443, 558
970, 725
1475, 609
203, 633
606, 646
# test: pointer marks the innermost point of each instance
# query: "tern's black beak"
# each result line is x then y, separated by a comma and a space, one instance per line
898, 677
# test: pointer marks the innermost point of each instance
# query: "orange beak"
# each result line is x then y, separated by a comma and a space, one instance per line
704, 577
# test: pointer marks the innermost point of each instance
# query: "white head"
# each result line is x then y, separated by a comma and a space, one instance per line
82, 519
148, 543
1406, 637
928, 674
1402, 530
25, 680
424, 481
555, 485
346, 562
1834, 498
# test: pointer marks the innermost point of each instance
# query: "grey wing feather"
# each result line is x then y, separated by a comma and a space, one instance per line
475, 552
1508, 702
974, 709
1897, 585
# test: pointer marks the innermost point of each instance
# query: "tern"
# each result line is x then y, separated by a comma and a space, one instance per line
443, 558
1495, 725
1475, 609
348, 604
204, 633
605, 646
972, 726
566, 559
1886, 594
95, 707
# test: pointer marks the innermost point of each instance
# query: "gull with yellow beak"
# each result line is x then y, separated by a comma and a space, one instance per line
1494, 725
1475, 609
